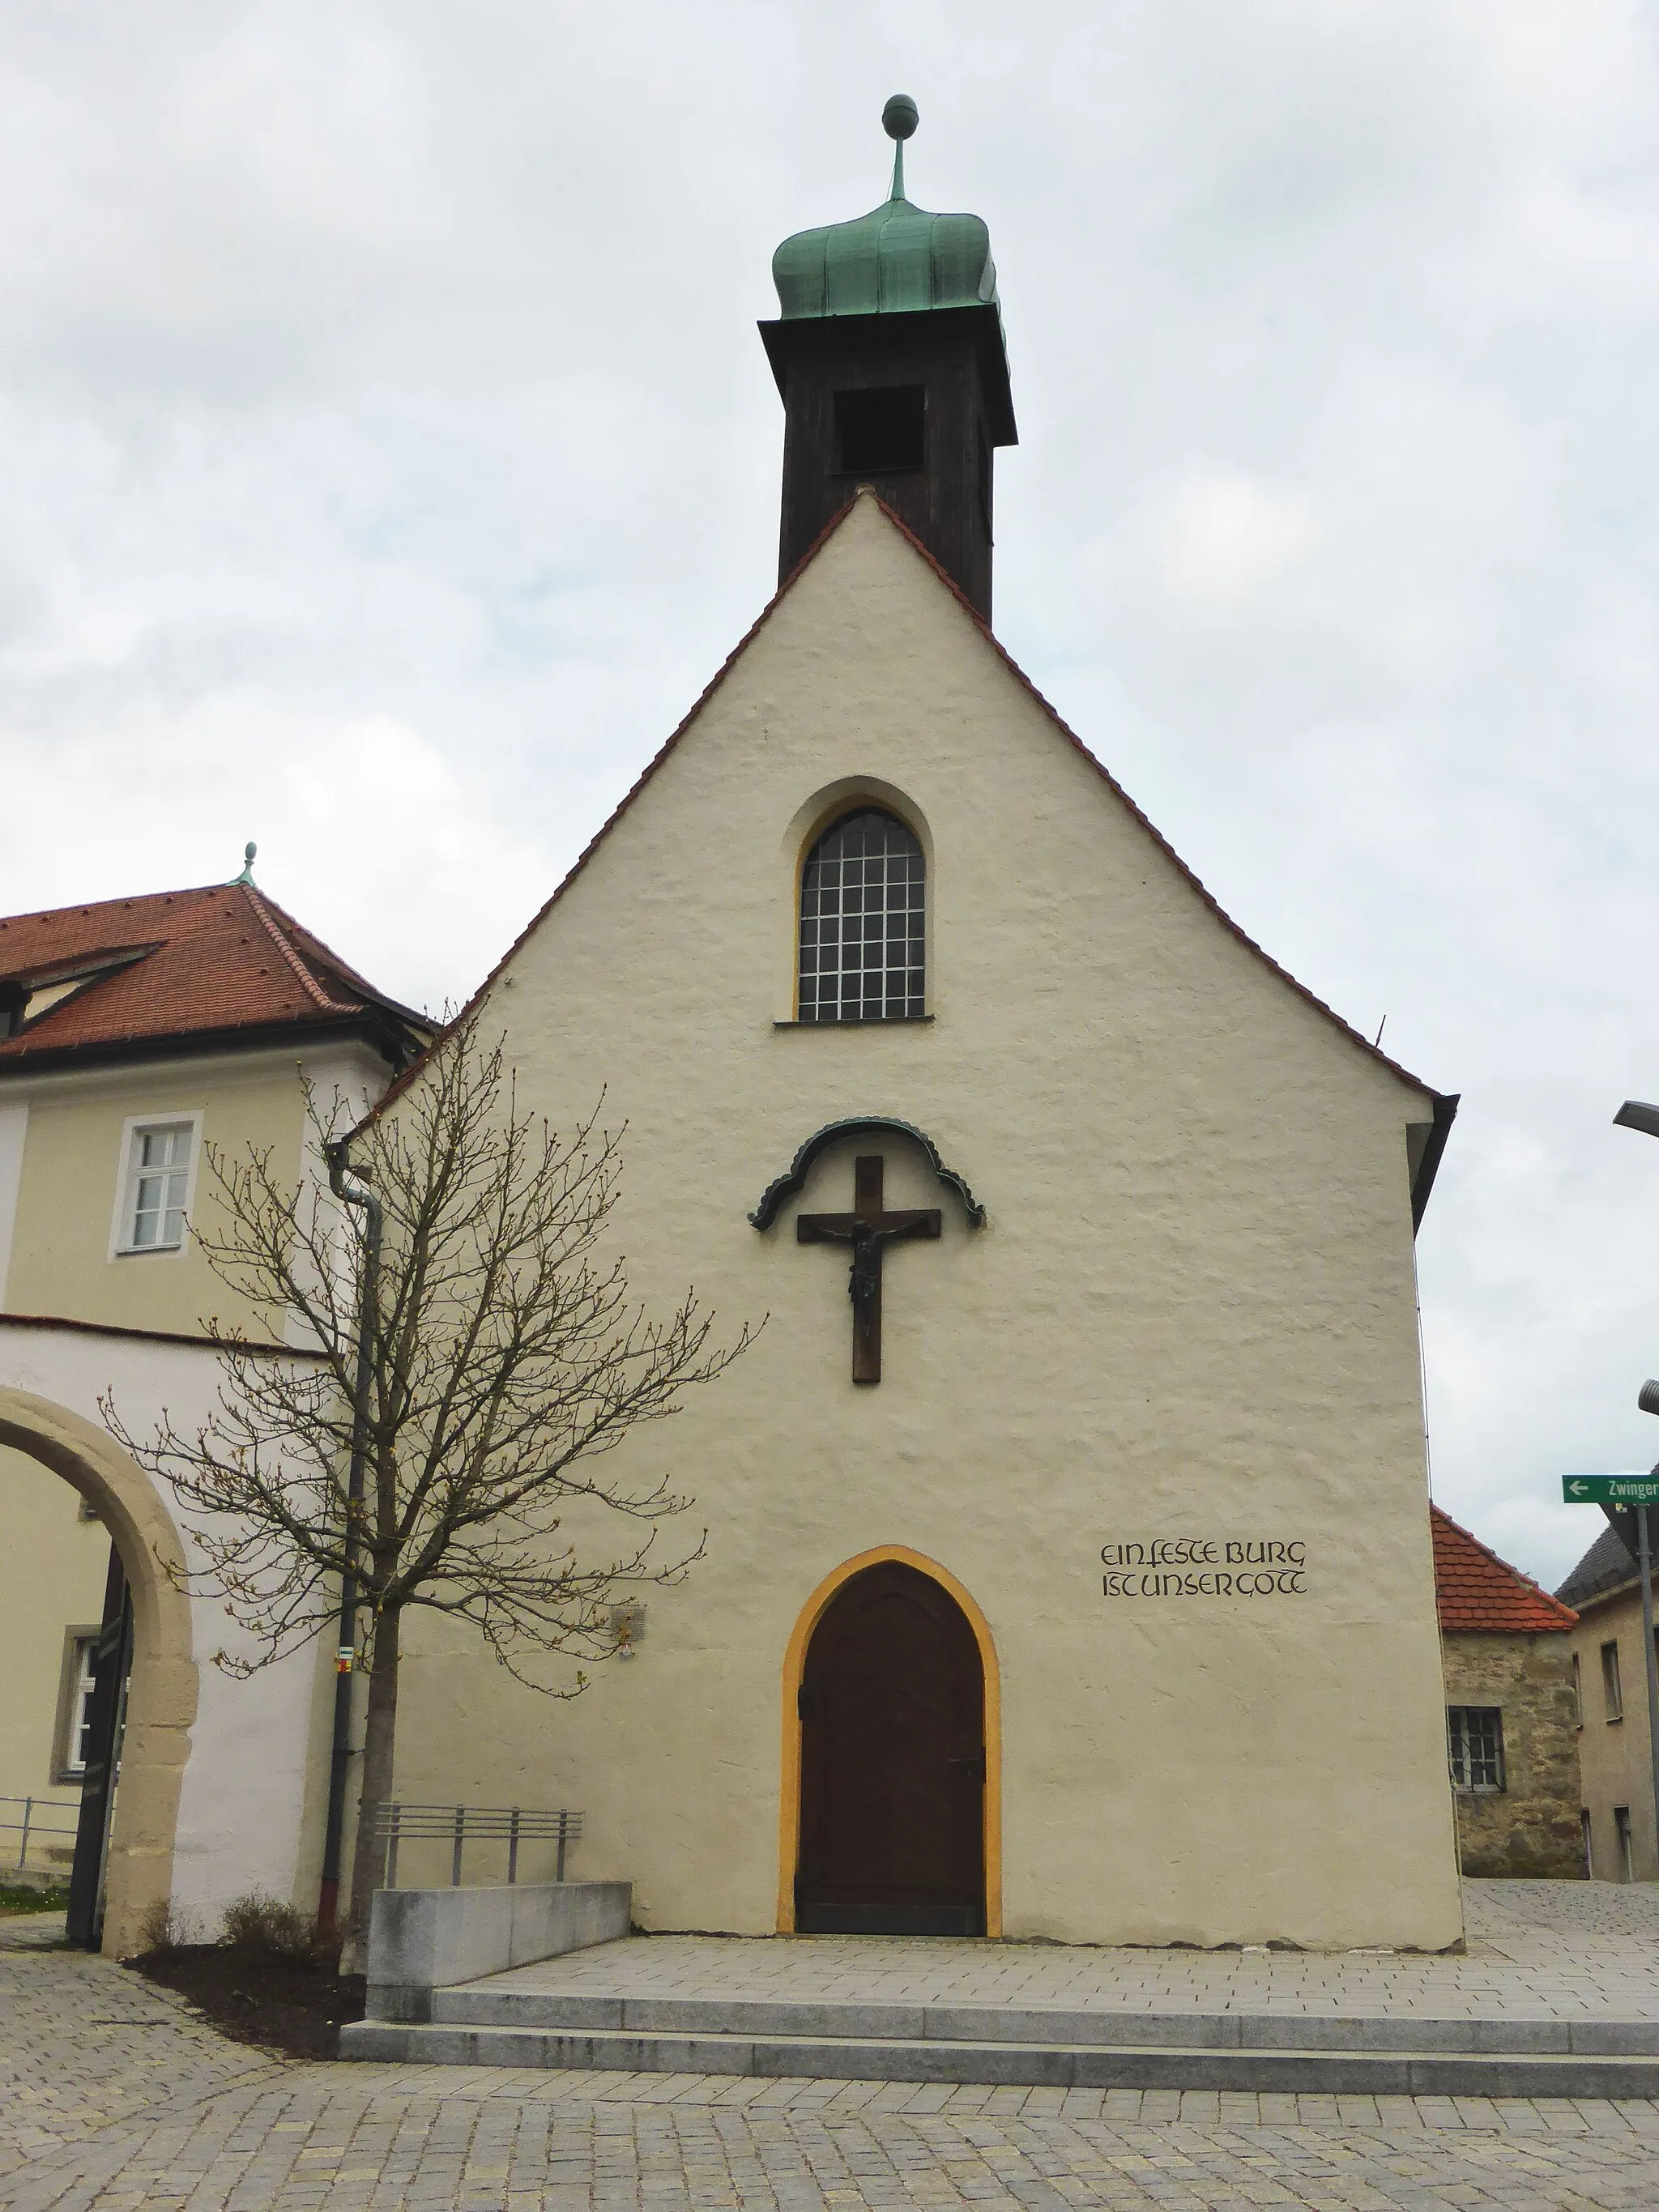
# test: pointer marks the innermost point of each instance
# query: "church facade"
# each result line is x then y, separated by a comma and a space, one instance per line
1067, 1571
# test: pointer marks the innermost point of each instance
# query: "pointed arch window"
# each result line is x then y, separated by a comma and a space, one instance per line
863, 923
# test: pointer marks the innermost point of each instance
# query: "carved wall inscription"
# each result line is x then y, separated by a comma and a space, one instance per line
1205, 1566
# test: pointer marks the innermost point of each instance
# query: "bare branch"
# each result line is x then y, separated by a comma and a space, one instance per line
509, 1363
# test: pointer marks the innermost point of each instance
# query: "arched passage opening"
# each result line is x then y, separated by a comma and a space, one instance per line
891, 1813
161, 1692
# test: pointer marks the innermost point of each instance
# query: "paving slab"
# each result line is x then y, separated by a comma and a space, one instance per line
1556, 1994
230, 2131
84, 2042
1555, 1951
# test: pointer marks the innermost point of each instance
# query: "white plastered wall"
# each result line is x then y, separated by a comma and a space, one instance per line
1192, 1314
243, 1795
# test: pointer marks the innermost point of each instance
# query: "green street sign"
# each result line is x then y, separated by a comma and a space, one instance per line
1610, 1489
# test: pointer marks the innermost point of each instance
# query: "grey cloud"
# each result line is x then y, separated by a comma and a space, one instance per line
384, 421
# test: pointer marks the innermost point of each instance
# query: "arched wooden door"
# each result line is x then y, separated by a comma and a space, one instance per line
892, 1757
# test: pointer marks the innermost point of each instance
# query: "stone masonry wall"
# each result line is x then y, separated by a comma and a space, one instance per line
1530, 1827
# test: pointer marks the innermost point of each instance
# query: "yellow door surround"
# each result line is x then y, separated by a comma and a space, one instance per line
795, 1660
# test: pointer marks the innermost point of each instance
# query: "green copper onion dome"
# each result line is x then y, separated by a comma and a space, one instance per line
895, 260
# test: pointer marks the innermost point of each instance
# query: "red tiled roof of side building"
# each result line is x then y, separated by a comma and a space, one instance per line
1474, 1590
177, 965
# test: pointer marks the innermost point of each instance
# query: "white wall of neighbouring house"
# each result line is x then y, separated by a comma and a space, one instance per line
250, 1807
251, 1813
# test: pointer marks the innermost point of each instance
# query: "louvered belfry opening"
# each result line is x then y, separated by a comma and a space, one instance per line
906, 404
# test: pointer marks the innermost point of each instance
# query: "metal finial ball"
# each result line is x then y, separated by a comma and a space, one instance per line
250, 851
899, 118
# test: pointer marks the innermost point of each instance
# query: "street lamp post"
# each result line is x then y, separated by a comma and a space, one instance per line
1637, 1114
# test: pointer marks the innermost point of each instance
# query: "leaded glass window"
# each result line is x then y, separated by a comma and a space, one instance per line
1474, 1738
863, 918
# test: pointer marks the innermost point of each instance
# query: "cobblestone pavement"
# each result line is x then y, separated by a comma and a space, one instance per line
84, 2042
112, 2095
1536, 1950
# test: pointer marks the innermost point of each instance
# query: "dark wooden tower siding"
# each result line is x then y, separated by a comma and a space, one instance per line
888, 354
913, 404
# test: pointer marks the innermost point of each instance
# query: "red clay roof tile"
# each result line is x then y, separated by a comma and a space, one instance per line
176, 964
1476, 1590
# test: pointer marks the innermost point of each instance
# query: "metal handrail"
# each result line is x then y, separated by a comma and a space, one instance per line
31, 1826
394, 1823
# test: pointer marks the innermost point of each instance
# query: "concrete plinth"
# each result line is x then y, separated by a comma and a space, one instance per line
423, 1940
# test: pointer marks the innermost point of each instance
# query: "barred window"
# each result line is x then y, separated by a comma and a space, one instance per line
862, 922
1474, 1737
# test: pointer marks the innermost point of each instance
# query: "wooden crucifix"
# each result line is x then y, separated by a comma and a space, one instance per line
869, 1229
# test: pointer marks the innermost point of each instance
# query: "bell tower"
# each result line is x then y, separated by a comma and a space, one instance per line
888, 357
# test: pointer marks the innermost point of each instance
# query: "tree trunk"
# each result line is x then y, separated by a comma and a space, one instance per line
380, 1732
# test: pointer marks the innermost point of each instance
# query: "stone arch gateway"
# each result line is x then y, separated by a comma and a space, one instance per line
162, 1697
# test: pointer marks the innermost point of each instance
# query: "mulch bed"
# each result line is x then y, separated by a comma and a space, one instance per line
280, 2004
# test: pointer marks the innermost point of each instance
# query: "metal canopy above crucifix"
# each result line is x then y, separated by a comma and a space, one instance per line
869, 1229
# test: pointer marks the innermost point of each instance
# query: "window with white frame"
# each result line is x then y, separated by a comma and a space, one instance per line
1474, 1740
76, 1735
158, 1181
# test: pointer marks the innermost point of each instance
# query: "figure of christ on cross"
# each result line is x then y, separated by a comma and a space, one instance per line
869, 1229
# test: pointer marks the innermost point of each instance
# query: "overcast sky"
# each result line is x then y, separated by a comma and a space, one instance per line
390, 458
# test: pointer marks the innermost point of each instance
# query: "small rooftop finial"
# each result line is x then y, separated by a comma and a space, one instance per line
249, 851
899, 119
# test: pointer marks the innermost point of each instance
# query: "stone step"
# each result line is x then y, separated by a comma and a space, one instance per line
1356, 2069
511, 2000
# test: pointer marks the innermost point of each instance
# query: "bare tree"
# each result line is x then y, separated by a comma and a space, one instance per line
500, 1359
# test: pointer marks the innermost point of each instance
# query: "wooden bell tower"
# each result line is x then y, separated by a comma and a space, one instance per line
888, 358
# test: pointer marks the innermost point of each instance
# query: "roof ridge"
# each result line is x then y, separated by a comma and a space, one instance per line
1608, 1540
394, 1090
307, 980
307, 943
1515, 1574
1107, 778
786, 585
